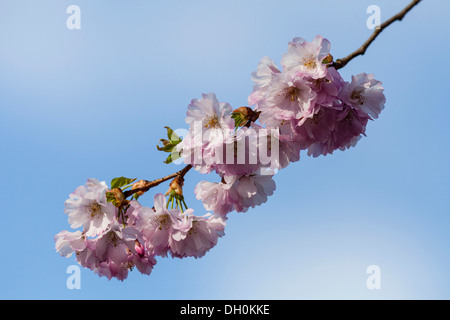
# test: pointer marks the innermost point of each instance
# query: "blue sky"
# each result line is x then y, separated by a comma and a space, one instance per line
92, 103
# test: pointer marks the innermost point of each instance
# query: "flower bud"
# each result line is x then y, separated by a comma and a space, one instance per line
328, 59
176, 186
140, 250
118, 196
138, 185
243, 115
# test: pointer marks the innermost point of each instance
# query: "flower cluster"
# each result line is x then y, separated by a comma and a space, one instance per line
310, 100
304, 105
111, 244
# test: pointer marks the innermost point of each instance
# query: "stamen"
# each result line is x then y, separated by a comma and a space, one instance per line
211, 122
309, 62
292, 93
94, 209
358, 96
163, 221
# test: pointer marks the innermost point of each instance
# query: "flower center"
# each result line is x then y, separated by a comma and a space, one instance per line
163, 221
292, 93
193, 229
309, 62
95, 209
350, 117
358, 96
211, 122
113, 239
128, 265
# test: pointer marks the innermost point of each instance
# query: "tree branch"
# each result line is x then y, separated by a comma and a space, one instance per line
150, 184
340, 63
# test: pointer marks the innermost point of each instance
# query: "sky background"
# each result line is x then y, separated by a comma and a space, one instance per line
93, 103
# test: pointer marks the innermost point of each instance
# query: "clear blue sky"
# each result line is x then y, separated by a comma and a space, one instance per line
92, 103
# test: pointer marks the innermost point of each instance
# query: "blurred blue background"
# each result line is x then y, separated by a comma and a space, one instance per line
93, 103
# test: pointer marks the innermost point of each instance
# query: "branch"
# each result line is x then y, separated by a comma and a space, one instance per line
150, 184
340, 63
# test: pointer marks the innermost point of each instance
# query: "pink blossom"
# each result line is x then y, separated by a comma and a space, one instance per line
143, 261
279, 146
238, 155
67, 242
307, 57
213, 116
111, 269
157, 225
262, 78
252, 190
86, 257
87, 207
198, 153
364, 93
211, 126
327, 88
235, 193
216, 197
332, 129
195, 235
115, 252
114, 243
289, 97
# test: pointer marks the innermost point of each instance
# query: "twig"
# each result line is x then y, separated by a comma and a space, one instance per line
340, 63
154, 183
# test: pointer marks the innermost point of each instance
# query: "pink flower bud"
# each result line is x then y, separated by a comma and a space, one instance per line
139, 248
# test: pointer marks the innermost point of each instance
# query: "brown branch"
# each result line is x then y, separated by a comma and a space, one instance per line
150, 184
340, 63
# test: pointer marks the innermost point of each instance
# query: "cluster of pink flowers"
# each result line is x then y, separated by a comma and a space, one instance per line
112, 246
305, 105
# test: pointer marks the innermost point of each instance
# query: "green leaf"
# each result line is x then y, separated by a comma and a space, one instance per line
169, 159
120, 182
167, 146
173, 137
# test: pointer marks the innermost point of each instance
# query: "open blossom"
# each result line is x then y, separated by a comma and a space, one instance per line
87, 207
289, 97
216, 197
117, 252
235, 193
239, 155
211, 125
198, 153
327, 88
252, 190
214, 118
262, 78
66, 243
279, 146
112, 253
157, 225
196, 235
180, 234
332, 129
364, 93
307, 57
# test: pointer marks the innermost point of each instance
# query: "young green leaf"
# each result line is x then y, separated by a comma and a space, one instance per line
120, 182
